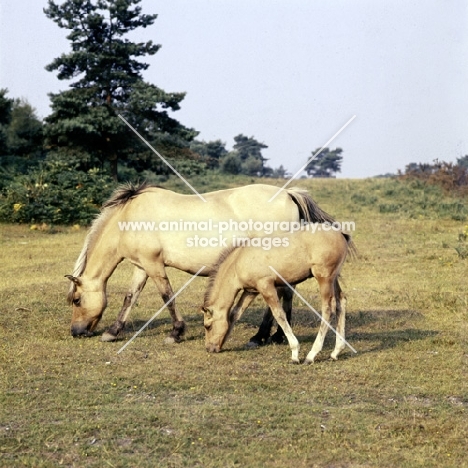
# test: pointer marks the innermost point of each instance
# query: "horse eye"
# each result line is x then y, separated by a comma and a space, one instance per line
77, 301
208, 327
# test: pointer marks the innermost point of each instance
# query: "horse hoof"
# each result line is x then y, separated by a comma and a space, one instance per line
276, 340
252, 345
169, 340
295, 361
308, 361
107, 337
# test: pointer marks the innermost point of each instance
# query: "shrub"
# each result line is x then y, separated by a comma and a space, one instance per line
453, 178
56, 193
389, 208
462, 247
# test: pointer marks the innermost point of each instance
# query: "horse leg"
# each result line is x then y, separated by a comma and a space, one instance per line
157, 273
237, 311
327, 294
267, 289
264, 330
242, 304
138, 283
286, 294
263, 334
341, 320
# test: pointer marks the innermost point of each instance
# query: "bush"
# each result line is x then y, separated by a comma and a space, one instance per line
452, 178
56, 193
389, 208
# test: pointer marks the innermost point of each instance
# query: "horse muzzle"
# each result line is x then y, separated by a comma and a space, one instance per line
213, 348
81, 329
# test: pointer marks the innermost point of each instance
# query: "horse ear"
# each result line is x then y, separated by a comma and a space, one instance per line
74, 279
207, 312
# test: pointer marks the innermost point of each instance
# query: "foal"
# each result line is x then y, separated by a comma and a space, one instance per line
318, 254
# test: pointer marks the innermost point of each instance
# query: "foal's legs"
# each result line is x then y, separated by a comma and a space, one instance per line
267, 289
242, 304
263, 334
341, 319
138, 283
237, 311
287, 295
327, 292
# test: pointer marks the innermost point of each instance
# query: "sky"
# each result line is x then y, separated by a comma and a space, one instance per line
290, 73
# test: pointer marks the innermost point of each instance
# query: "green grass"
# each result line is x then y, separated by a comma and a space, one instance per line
401, 401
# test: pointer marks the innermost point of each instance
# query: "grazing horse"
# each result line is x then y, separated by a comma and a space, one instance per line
318, 254
151, 246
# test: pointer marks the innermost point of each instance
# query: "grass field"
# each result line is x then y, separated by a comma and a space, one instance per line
401, 401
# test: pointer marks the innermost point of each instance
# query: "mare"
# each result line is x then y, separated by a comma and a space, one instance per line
254, 271
151, 246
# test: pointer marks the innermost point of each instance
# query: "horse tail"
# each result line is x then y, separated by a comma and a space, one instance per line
309, 210
338, 290
352, 249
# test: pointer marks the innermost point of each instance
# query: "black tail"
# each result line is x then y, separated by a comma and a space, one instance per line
308, 209
310, 212
352, 249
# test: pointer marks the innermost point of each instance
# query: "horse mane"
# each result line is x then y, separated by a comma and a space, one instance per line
121, 195
125, 192
225, 253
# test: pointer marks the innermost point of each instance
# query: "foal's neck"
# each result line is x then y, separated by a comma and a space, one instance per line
226, 285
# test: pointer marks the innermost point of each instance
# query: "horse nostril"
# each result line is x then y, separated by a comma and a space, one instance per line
78, 329
212, 348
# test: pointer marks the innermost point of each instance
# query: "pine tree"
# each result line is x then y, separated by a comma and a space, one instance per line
6, 105
211, 153
25, 131
107, 79
249, 151
326, 164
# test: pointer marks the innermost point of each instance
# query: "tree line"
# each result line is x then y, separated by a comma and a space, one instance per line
83, 142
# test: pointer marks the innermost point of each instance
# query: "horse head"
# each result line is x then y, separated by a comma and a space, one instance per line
216, 329
88, 300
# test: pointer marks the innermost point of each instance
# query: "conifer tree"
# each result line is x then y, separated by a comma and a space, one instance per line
105, 70
326, 164
6, 105
249, 150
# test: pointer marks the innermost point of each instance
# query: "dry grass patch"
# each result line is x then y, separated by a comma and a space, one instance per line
401, 401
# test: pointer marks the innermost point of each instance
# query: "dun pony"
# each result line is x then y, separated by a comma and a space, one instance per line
318, 254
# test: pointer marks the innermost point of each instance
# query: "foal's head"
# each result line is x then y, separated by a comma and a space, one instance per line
219, 299
216, 323
88, 300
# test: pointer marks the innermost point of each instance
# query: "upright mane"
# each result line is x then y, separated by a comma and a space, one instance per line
221, 259
126, 192
121, 195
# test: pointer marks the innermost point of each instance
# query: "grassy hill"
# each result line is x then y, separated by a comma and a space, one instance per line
411, 199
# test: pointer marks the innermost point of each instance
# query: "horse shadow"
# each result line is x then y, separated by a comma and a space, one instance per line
385, 329
154, 328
